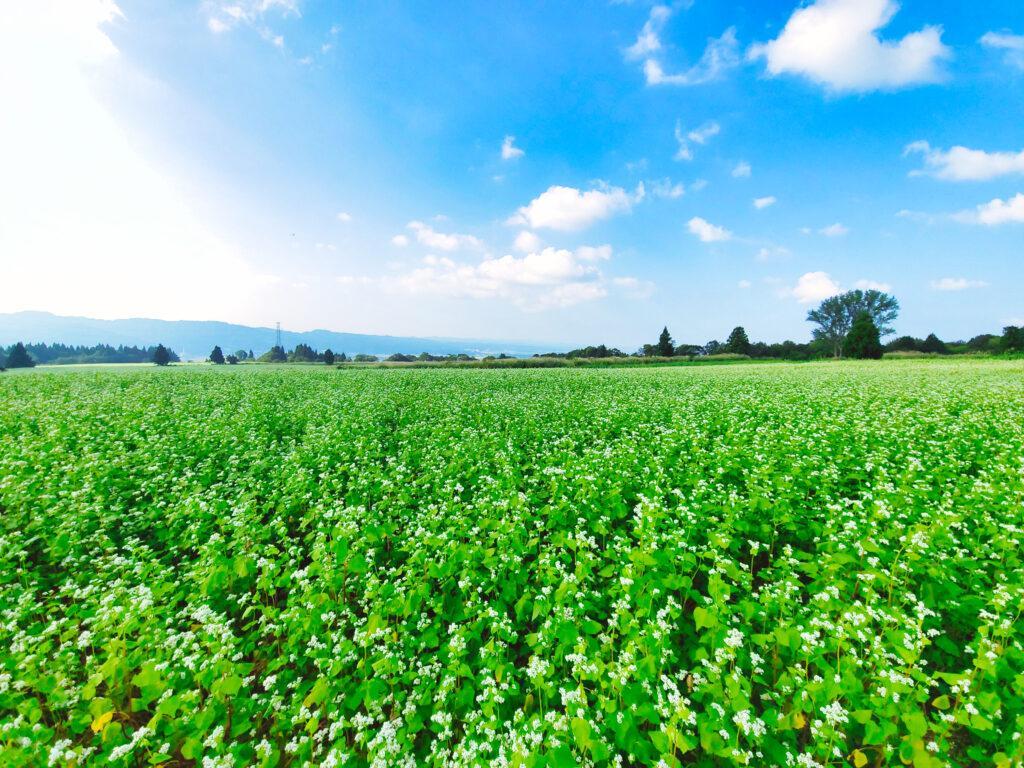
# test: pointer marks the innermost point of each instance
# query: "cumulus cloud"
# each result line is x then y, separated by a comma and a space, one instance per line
508, 149
1011, 45
833, 230
835, 43
742, 170
527, 241
956, 284
568, 209
764, 202
812, 287
707, 232
400, 240
431, 238
964, 164
545, 279
697, 136
995, 212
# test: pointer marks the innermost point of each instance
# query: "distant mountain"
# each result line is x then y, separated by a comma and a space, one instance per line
193, 339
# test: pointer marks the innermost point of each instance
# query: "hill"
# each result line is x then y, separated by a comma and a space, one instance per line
193, 339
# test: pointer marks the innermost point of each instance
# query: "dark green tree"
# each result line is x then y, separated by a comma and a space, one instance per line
17, 357
251, 355
217, 356
160, 355
934, 344
835, 315
738, 343
274, 355
862, 343
232, 359
328, 357
342, 358
904, 344
241, 354
665, 346
1012, 340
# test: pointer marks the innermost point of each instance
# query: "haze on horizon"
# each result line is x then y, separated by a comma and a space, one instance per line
568, 173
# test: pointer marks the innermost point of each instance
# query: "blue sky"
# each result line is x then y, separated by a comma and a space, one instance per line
559, 172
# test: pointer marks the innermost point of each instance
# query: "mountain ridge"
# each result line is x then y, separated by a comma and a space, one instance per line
193, 339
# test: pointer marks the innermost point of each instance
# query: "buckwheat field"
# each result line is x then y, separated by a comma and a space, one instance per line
763, 565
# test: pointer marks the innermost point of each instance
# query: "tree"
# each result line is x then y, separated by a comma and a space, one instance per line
232, 359
934, 344
343, 358
1013, 339
835, 315
241, 354
713, 347
160, 355
738, 343
328, 357
303, 353
216, 356
273, 355
862, 343
251, 355
19, 358
665, 346
904, 344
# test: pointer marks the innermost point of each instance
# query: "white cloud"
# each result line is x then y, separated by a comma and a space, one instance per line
813, 287
635, 288
508, 150
431, 238
773, 253
527, 241
995, 212
742, 170
225, 15
697, 136
833, 230
706, 231
400, 240
568, 209
594, 252
648, 40
835, 43
1012, 45
763, 202
872, 285
666, 189
720, 55
549, 278
344, 217
744, 284
956, 284
964, 164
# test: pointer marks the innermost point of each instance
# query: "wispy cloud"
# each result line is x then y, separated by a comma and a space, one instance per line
956, 284
720, 54
1012, 46
707, 232
764, 202
696, 136
508, 149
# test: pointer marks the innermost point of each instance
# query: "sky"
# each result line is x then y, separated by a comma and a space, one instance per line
561, 172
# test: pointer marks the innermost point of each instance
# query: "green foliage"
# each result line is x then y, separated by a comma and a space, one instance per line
835, 315
862, 343
1012, 339
217, 356
738, 343
665, 347
160, 355
933, 344
705, 566
328, 357
18, 357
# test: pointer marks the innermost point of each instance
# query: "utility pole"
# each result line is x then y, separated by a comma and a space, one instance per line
279, 345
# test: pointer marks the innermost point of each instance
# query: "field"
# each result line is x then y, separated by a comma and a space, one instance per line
786, 565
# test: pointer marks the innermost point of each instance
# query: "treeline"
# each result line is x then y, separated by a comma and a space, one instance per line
21, 355
1011, 340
